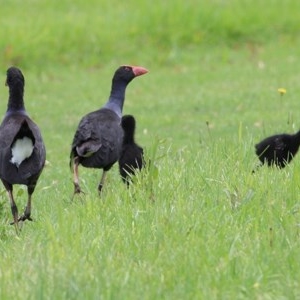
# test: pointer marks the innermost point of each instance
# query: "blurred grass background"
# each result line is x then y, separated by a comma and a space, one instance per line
36, 34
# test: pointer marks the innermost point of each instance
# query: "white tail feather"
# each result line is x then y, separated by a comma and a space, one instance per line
20, 150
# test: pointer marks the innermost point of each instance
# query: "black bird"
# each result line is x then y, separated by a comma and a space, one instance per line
98, 139
131, 158
278, 149
22, 150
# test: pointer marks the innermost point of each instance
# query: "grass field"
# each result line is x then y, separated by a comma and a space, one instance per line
199, 224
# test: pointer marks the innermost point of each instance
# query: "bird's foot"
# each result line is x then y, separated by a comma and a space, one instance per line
77, 190
22, 218
25, 217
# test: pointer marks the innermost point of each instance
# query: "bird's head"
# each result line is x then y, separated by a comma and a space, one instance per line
14, 76
128, 121
127, 73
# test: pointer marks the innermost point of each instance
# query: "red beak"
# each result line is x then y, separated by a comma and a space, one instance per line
139, 70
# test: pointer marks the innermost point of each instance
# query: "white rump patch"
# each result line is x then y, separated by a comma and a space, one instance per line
20, 150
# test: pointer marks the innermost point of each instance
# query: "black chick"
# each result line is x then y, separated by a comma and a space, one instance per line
22, 150
131, 158
98, 139
278, 149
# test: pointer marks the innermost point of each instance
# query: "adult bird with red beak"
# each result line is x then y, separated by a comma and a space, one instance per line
97, 142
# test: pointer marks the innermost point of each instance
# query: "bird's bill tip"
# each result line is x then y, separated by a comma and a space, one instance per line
139, 70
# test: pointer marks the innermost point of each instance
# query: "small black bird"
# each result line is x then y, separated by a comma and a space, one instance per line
131, 158
22, 150
98, 139
278, 149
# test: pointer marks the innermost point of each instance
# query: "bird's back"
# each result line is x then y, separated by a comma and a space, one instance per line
13, 127
98, 139
278, 149
269, 144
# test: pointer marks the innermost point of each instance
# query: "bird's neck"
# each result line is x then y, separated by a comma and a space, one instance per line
15, 100
117, 97
128, 138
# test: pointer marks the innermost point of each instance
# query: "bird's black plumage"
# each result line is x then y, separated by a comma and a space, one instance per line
98, 139
18, 133
131, 158
278, 149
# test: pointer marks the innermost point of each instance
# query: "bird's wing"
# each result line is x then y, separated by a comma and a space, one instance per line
279, 145
86, 140
8, 130
38, 157
270, 145
96, 130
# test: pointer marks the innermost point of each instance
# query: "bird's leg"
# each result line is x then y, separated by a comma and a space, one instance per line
27, 211
100, 186
14, 208
77, 189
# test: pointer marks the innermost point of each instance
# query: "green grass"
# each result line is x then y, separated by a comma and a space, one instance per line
198, 224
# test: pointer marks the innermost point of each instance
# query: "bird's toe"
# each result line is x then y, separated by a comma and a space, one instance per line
77, 189
25, 217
